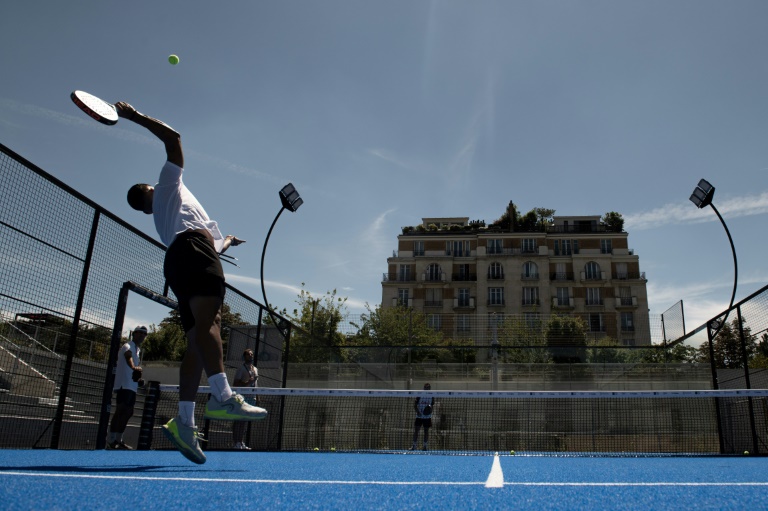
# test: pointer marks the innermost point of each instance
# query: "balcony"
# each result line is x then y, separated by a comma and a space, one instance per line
429, 276
496, 276
530, 302
397, 277
464, 277
464, 303
563, 303
397, 302
593, 302
626, 301
529, 276
496, 302
433, 303
593, 276
561, 276
631, 275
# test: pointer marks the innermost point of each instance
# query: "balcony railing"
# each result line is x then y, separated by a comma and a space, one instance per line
631, 275
561, 276
531, 301
464, 277
626, 301
397, 302
433, 303
529, 276
497, 302
464, 303
593, 276
496, 276
563, 302
594, 301
397, 277
429, 276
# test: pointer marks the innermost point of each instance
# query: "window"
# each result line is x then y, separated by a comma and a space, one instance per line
563, 297
495, 271
457, 248
464, 297
405, 273
532, 320
529, 245
434, 321
627, 322
530, 270
625, 295
606, 247
402, 297
592, 271
463, 323
418, 248
434, 273
596, 322
494, 246
530, 296
495, 296
463, 272
433, 297
593, 296
560, 273
621, 271
567, 247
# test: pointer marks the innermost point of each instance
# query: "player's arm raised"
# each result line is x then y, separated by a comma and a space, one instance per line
170, 137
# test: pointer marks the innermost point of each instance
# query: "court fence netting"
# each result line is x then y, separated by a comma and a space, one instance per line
627, 423
68, 265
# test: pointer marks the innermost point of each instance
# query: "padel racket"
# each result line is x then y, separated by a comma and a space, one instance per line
428, 410
98, 109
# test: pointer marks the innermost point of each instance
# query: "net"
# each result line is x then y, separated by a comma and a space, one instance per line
465, 422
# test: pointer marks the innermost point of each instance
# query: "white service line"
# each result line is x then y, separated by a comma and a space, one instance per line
380, 483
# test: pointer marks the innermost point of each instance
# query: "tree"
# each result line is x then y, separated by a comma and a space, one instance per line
545, 217
613, 221
567, 338
395, 326
727, 346
317, 338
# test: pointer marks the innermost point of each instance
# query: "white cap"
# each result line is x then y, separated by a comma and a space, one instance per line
140, 329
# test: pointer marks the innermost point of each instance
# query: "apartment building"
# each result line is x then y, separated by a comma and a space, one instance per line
461, 274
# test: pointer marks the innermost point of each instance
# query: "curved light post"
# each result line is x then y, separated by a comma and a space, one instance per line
702, 196
290, 200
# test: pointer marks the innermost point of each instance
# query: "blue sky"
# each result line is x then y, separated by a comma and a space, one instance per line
382, 113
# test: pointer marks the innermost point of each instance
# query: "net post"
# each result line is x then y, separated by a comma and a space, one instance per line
147, 426
109, 379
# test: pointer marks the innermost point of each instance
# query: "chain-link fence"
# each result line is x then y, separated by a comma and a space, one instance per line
63, 263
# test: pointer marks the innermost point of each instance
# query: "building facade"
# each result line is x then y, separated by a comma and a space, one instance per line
462, 274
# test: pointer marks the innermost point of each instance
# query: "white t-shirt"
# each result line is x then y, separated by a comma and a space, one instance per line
176, 210
124, 373
245, 373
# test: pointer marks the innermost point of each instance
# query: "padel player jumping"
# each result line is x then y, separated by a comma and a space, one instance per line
193, 271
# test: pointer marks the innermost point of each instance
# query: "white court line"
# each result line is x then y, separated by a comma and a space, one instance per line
381, 483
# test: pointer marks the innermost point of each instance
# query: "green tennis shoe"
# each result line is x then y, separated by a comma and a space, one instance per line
186, 439
233, 409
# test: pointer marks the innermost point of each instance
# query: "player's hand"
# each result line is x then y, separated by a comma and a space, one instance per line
234, 240
136, 376
125, 110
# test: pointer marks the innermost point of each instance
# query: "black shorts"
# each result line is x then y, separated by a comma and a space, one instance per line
125, 397
192, 268
427, 423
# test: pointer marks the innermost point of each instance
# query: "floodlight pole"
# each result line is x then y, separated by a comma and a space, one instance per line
263, 253
702, 196
290, 200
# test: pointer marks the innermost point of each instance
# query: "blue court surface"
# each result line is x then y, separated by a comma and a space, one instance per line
163, 480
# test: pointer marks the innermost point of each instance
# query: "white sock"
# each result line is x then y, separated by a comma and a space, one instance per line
220, 389
187, 413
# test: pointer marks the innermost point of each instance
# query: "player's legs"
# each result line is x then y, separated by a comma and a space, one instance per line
204, 348
126, 400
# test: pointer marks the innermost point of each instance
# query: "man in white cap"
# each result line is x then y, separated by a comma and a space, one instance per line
127, 381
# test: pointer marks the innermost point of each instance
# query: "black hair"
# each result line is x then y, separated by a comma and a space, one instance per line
136, 196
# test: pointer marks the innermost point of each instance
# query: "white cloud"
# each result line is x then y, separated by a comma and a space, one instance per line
682, 213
